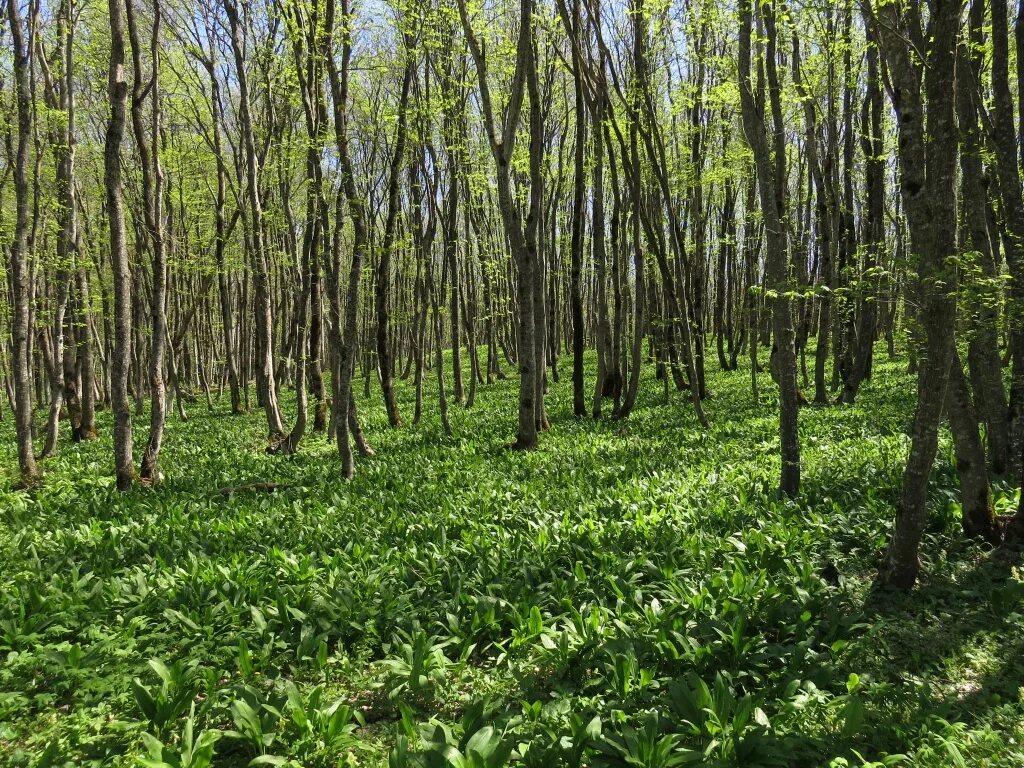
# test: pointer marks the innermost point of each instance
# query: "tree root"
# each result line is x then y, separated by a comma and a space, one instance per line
284, 446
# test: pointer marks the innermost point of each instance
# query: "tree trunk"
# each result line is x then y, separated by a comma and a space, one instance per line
152, 201
983, 345
1005, 140
345, 340
383, 282
19, 267
264, 326
928, 161
771, 183
121, 353
524, 251
979, 519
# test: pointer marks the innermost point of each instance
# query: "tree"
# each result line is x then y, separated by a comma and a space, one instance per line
117, 88
59, 96
381, 293
769, 161
153, 197
19, 248
923, 96
521, 235
265, 379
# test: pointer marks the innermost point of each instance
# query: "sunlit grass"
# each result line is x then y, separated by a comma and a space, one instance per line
600, 576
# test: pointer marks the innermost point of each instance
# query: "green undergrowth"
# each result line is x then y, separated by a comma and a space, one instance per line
631, 594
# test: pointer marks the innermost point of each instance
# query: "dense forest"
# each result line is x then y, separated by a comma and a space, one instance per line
477, 383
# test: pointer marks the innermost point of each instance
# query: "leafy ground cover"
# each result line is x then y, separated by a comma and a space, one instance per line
632, 594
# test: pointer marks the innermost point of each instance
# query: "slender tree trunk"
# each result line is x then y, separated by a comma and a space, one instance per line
578, 224
605, 359
523, 242
60, 96
771, 183
121, 352
264, 326
721, 329
983, 345
383, 283
438, 330
19, 266
976, 495
152, 194
220, 241
86, 429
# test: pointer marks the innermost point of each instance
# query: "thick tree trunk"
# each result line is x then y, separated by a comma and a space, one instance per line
928, 162
979, 519
1005, 140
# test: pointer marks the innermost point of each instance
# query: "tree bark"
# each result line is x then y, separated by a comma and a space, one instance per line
524, 250
977, 510
383, 282
928, 160
19, 265
265, 380
152, 201
771, 184
344, 336
122, 350
983, 345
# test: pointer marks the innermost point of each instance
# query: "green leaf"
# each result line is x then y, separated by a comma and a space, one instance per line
144, 699
852, 682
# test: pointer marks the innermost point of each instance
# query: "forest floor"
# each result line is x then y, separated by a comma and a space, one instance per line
633, 593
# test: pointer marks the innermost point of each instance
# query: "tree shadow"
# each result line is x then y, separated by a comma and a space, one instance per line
951, 650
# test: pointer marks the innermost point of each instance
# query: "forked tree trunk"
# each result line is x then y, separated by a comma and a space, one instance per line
59, 96
152, 201
383, 282
501, 139
344, 335
928, 162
